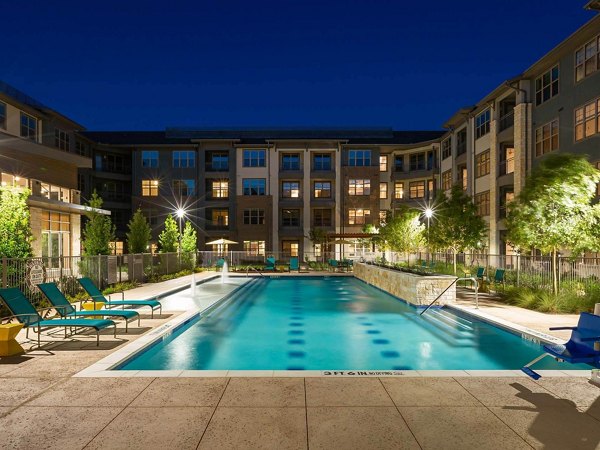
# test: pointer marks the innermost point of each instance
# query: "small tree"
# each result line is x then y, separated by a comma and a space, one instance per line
456, 225
169, 237
188, 238
15, 229
139, 234
554, 210
403, 232
318, 236
99, 230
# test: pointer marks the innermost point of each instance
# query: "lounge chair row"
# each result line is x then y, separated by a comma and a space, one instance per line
69, 318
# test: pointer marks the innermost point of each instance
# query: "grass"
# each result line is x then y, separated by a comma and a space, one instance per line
573, 298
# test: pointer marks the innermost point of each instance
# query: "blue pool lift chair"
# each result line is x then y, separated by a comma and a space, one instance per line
582, 347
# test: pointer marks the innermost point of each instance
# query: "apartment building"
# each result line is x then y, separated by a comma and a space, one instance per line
553, 106
39, 151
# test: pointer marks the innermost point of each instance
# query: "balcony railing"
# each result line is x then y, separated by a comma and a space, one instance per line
507, 120
217, 166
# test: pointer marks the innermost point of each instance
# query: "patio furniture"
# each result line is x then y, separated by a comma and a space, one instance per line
333, 265
66, 309
294, 264
26, 314
219, 264
582, 347
498, 277
8, 344
97, 296
270, 263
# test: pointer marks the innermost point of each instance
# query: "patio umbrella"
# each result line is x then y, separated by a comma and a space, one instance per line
221, 242
341, 242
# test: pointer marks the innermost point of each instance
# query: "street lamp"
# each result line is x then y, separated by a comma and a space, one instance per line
428, 214
180, 213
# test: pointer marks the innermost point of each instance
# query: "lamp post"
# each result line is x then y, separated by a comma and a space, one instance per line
428, 214
180, 213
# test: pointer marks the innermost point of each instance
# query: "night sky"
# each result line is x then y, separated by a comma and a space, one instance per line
141, 65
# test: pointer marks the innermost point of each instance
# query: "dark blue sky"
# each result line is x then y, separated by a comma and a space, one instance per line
142, 65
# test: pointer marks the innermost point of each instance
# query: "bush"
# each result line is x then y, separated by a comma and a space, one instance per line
573, 298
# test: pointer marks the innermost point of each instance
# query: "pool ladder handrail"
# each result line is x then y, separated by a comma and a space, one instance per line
473, 279
256, 270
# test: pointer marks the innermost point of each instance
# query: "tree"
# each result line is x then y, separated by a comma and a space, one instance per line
554, 209
15, 229
169, 237
318, 236
455, 225
139, 234
188, 238
403, 232
99, 230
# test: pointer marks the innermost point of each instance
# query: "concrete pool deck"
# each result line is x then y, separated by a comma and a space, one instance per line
43, 406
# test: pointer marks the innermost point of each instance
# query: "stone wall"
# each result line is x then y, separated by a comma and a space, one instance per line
415, 289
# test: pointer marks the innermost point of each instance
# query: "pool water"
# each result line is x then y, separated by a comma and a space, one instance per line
334, 323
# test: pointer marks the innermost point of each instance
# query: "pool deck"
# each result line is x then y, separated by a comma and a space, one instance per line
42, 405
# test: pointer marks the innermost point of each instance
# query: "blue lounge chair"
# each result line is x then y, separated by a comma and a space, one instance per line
270, 263
97, 296
219, 264
582, 347
294, 264
25, 313
480, 273
333, 264
65, 309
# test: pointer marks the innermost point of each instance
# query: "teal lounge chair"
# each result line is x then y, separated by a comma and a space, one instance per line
270, 264
480, 273
294, 264
498, 277
65, 309
25, 313
333, 264
97, 296
219, 264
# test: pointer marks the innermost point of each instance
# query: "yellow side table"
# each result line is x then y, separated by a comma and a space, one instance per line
93, 306
8, 345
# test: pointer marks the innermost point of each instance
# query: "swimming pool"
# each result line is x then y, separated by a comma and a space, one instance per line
333, 323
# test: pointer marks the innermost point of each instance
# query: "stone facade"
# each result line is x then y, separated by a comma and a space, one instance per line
415, 289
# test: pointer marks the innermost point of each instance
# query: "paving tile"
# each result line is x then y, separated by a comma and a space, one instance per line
51, 428
358, 428
149, 428
265, 428
267, 392
428, 392
539, 425
92, 392
576, 389
182, 392
462, 427
14, 391
346, 392
506, 391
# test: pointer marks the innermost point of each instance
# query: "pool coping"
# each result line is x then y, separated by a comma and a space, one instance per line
106, 366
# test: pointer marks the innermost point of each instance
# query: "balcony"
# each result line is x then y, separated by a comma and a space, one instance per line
506, 121
216, 166
210, 225
506, 167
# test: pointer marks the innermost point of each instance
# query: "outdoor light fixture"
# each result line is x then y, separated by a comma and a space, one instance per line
180, 212
428, 213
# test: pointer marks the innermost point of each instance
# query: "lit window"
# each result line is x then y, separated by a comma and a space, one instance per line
150, 159
546, 86
587, 59
220, 189
254, 158
383, 161
290, 189
587, 120
322, 189
383, 190
482, 203
254, 248
290, 247
149, 188
28, 127
546, 138
416, 189
359, 158
482, 124
398, 190
447, 180
254, 186
482, 164
358, 216
184, 159
220, 217
359, 187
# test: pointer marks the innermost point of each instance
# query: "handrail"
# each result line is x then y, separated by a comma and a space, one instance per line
255, 269
450, 285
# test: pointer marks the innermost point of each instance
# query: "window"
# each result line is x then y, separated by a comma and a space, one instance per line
254, 248
383, 163
383, 190
482, 164
116, 247
546, 138
417, 161
149, 188
416, 189
184, 188
322, 189
482, 124
398, 163
2, 115
290, 247
587, 120
254, 158
546, 86
322, 161
587, 59
61, 139
254, 186
461, 142
290, 189
220, 217
507, 163
28, 127
220, 189
430, 189
149, 158
506, 196
359, 187
322, 218
55, 235
359, 158
290, 217
184, 159
462, 176
254, 216
290, 161
382, 217
358, 216
218, 162
81, 148
447, 180
398, 190
482, 203
447, 148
